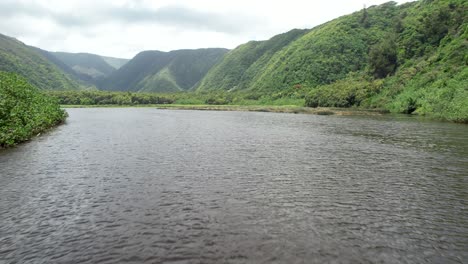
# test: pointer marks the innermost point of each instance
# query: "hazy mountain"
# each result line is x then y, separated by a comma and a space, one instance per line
91, 65
156, 71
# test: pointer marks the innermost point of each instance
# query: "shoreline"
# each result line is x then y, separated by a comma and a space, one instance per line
250, 108
37, 133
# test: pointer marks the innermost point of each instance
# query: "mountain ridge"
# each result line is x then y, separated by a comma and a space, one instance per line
17, 57
88, 68
158, 71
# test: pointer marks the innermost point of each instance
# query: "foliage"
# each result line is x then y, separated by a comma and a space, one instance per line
408, 58
383, 57
109, 98
24, 110
352, 91
310, 57
241, 65
182, 98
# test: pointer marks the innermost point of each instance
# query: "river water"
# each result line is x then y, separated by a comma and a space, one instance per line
167, 186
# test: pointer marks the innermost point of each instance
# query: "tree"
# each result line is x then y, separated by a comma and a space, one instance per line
383, 58
365, 18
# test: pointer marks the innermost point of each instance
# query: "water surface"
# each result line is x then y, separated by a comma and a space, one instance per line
152, 186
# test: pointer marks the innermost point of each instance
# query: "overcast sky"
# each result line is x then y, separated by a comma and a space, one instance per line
122, 28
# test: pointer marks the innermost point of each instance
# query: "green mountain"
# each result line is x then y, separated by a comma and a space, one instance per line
83, 79
240, 66
156, 71
322, 55
19, 58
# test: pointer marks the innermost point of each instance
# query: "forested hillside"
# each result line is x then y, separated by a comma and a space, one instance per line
156, 71
419, 66
238, 68
16, 57
405, 58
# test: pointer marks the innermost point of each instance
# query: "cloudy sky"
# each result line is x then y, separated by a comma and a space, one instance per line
122, 28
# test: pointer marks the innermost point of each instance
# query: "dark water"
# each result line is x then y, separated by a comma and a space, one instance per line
153, 186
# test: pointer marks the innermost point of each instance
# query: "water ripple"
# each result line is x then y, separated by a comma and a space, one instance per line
161, 186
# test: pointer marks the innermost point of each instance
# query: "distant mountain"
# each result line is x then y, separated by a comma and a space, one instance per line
116, 63
90, 65
82, 79
156, 71
53, 59
33, 65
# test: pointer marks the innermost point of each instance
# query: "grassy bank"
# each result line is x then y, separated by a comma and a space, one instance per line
354, 96
248, 108
24, 110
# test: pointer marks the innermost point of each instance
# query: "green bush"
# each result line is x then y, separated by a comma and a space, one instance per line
24, 110
352, 91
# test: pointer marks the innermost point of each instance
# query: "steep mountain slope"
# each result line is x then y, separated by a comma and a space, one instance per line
143, 64
241, 65
321, 55
56, 61
155, 71
83, 79
19, 58
330, 51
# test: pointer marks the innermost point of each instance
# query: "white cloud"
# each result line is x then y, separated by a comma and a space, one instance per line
123, 28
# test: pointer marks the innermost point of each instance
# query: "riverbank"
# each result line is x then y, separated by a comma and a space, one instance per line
250, 108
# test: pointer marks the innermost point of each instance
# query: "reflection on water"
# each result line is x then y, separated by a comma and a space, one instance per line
149, 186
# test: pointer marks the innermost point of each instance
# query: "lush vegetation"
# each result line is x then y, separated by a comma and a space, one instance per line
408, 58
295, 98
240, 66
420, 67
24, 110
37, 69
109, 98
156, 71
